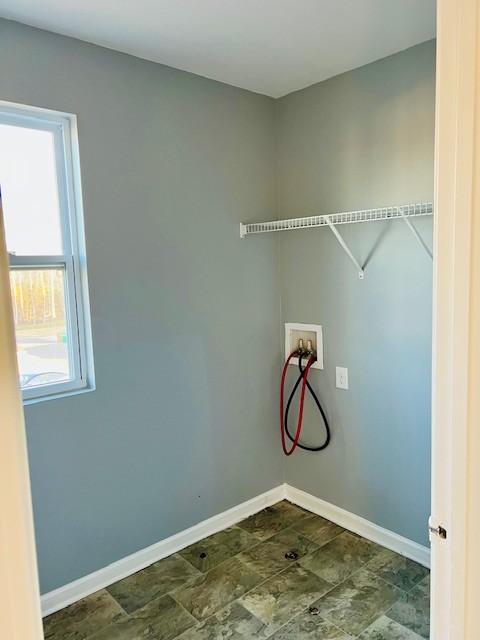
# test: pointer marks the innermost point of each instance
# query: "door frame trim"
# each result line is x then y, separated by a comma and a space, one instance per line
20, 617
455, 377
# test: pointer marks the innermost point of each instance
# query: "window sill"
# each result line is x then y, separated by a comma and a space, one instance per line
59, 395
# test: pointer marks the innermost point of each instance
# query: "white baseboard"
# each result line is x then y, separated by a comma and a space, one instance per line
357, 524
78, 589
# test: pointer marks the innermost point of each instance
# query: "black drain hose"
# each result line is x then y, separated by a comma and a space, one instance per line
319, 406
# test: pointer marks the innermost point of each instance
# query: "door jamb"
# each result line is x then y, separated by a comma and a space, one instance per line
456, 338
20, 616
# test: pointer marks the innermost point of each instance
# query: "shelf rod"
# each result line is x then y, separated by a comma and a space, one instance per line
418, 237
345, 247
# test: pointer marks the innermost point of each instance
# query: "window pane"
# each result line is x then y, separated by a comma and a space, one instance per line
28, 183
41, 327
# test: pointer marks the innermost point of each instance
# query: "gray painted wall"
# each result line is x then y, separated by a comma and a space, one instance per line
364, 139
171, 163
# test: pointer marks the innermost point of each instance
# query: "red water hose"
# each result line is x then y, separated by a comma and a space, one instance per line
300, 407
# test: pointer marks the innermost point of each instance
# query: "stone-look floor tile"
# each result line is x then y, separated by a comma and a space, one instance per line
357, 602
161, 619
310, 627
394, 568
386, 629
234, 622
213, 590
273, 519
318, 529
340, 557
283, 596
268, 558
83, 617
244, 589
207, 553
413, 609
150, 583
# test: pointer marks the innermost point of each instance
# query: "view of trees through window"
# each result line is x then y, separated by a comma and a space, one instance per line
39, 311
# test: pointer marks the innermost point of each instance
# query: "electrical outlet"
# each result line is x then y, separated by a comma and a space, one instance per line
341, 377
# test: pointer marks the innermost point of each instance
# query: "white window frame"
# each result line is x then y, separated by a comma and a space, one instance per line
63, 126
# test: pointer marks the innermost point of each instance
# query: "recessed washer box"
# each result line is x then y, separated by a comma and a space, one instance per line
296, 330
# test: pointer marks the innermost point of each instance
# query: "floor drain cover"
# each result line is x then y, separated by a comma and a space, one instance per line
291, 555
313, 611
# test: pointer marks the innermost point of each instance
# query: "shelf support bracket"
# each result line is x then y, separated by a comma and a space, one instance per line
345, 247
417, 236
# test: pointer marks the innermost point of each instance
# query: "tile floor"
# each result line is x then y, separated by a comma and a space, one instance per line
283, 574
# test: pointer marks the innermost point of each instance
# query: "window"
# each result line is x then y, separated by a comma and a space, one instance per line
41, 202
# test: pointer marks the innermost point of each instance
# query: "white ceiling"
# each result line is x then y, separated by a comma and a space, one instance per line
269, 46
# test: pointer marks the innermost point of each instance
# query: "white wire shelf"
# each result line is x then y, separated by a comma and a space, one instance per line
331, 220
346, 217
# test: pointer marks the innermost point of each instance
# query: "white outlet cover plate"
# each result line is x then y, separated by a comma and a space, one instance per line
341, 378
296, 328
